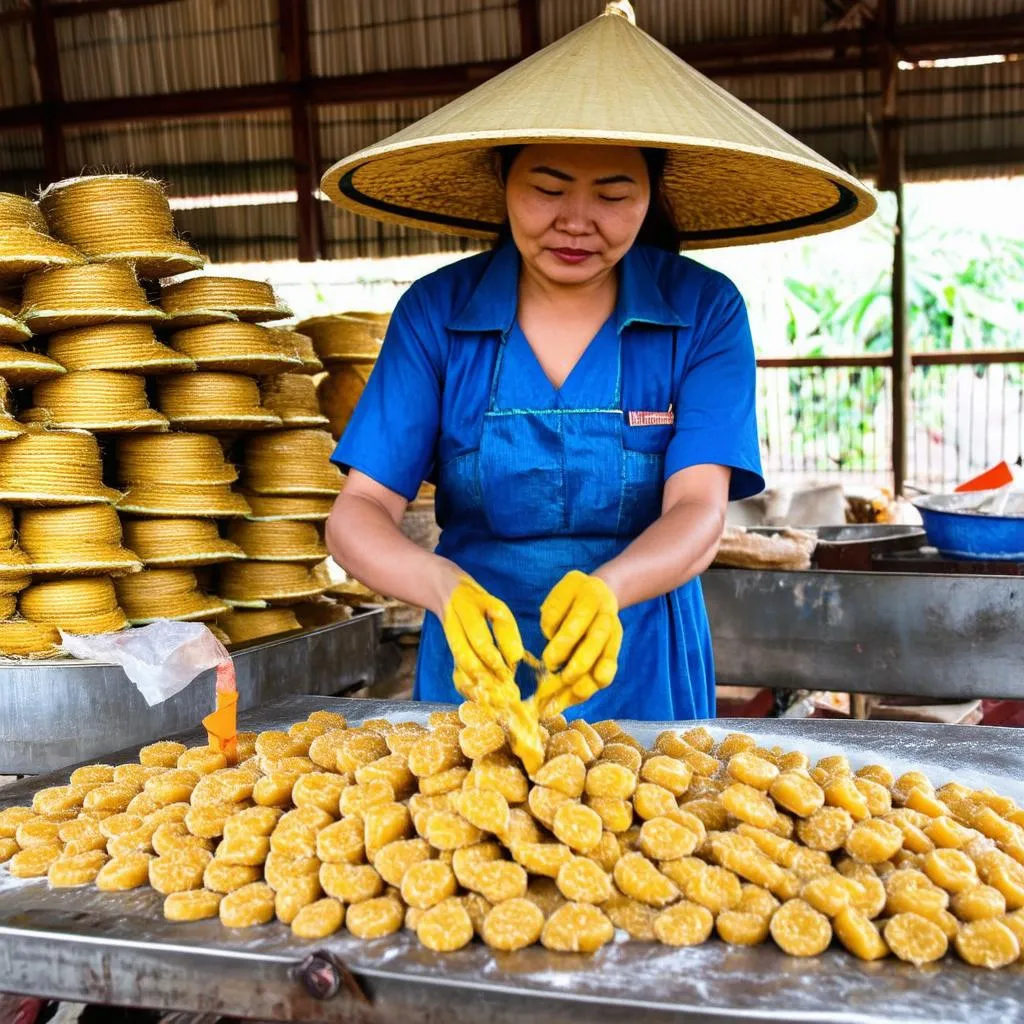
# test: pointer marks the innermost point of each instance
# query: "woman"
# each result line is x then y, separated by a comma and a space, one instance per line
583, 398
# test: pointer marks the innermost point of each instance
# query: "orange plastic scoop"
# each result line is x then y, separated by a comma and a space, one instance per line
998, 476
221, 725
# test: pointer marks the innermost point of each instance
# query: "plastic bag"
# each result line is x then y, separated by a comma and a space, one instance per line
160, 659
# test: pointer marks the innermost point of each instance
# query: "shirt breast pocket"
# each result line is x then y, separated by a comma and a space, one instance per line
651, 440
643, 476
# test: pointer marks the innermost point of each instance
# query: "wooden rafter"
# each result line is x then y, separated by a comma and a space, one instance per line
44, 39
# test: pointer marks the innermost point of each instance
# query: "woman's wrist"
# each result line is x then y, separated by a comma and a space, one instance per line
445, 576
609, 574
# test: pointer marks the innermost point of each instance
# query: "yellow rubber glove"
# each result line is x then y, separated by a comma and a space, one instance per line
485, 643
580, 619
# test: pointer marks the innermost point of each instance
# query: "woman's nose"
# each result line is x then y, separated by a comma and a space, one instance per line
573, 216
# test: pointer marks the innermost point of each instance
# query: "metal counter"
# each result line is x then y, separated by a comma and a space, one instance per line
88, 946
913, 634
58, 711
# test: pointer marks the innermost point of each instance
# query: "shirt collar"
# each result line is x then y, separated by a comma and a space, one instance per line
492, 305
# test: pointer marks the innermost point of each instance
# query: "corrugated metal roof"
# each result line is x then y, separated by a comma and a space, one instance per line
196, 156
674, 23
18, 81
357, 36
194, 44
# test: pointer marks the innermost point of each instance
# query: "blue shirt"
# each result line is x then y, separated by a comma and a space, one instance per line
454, 358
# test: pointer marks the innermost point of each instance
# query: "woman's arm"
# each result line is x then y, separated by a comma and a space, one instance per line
680, 544
364, 537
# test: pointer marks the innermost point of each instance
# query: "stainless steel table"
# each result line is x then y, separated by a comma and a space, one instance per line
87, 946
58, 711
914, 634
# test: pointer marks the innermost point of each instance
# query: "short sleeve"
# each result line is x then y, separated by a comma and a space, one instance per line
716, 419
392, 435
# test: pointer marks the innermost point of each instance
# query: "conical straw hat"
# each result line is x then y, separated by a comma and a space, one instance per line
13, 561
244, 625
167, 543
173, 459
20, 638
340, 338
339, 393
165, 594
237, 348
731, 176
22, 368
213, 401
292, 396
266, 508
291, 462
259, 584
53, 467
25, 251
9, 426
100, 293
127, 347
81, 605
19, 212
119, 217
12, 330
80, 540
97, 400
305, 351
279, 542
253, 301
203, 501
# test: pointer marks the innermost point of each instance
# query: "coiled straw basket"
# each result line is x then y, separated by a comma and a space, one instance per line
79, 540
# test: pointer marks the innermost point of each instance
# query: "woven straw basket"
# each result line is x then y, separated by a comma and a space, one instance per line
238, 348
119, 217
303, 345
179, 543
260, 584
80, 605
241, 625
21, 368
291, 462
20, 638
213, 401
132, 348
178, 458
265, 508
293, 397
343, 337
189, 301
340, 391
101, 293
79, 540
279, 542
97, 400
193, 501
165, 594
53, 467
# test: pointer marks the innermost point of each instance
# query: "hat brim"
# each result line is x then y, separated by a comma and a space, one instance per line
23, 369
160, 504
282, 598
199, 318
261, 314
311, 490
53, 498
306, 510
34, 640
304, 419
10, 428
12, 331
226, 421
152, 263
198, 607
153, 422
47, 321
186, 560
117, 562
150, 360
105, 622
307, 557
253, 364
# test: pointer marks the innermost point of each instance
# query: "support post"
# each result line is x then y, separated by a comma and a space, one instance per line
529, 27
44, 39
890, 179
293, 17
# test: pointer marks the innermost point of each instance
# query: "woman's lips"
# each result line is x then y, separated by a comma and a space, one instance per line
571, 255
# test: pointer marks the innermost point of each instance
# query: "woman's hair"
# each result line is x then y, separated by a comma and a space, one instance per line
658, 228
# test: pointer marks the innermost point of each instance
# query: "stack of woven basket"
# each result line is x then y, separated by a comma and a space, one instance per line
81, 359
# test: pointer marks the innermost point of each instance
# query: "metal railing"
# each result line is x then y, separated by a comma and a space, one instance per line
833, 417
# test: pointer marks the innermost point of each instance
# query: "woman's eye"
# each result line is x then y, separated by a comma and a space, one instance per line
547, 191
613, 199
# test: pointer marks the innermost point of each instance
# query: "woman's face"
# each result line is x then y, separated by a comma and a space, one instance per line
575, 210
